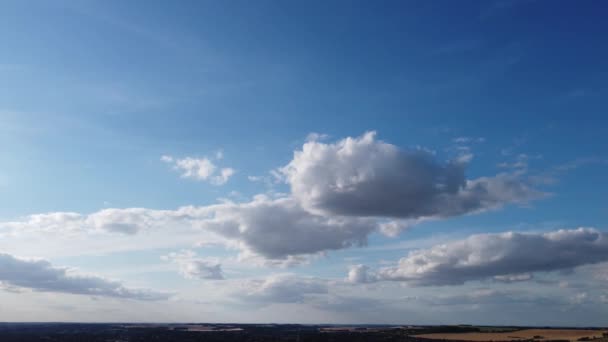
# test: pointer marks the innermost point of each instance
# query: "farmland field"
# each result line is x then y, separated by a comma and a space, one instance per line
537, 334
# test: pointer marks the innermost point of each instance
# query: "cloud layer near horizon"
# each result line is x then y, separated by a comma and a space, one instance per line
41, 275
505, 257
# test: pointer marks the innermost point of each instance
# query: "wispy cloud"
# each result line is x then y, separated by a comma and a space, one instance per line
201, 169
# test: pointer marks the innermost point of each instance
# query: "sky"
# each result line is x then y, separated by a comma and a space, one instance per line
398, 162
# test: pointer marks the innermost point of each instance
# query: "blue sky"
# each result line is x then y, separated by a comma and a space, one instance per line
155, 125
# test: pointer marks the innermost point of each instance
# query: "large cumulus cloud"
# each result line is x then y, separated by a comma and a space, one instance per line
501, 256
365, 177
41, 275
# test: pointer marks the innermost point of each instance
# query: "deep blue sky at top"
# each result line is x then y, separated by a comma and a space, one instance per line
93, 92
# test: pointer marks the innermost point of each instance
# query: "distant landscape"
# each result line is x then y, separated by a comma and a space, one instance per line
523, 335
26, 332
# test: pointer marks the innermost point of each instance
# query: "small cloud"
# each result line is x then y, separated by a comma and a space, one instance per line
361, 274
223, 177
465, 158
193, 267
166, 159
579, 298
201, 169
255, 178
282, 288
316, 136
512, 278
467, 140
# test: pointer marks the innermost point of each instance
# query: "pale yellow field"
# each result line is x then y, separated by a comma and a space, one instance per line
547, 334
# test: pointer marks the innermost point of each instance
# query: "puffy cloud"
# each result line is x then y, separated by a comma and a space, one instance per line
202, 169
192, 267
279, 228
223, 177
361, 274
366, 177
282, 288
41, 275
199, 169
507, 256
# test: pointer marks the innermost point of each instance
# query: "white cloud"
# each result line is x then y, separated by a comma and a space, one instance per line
64, 222
360, 274
127, 221
282, 288
505, 256
223, 177
166, 159
40, 275
366, 177
193, 267
316, 136
201, 169
464, 140
255, 178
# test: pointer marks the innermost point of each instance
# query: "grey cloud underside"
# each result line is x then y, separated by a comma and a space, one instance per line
366, 177
506, 256
203, 270
40, 275
277, 228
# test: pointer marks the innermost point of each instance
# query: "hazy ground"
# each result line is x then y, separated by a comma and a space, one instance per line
526, 334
